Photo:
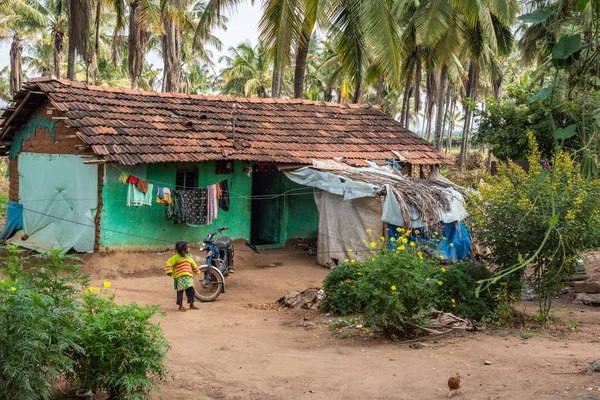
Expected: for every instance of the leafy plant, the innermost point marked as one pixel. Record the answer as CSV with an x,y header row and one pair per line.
x,y
39,324
457,295
124,352
339,286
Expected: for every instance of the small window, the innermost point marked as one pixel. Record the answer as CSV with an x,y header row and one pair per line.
x,y
186,179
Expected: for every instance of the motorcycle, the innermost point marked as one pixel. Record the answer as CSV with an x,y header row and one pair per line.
x,y
217,265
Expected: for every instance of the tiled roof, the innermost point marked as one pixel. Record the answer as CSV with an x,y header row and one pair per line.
x,y
133,127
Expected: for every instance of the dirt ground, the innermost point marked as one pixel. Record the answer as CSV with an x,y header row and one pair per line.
x,y
235,349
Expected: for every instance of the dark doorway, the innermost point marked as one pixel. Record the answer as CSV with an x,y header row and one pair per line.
x,y
266,208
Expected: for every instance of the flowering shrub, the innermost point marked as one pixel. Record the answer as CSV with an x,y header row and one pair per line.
x,y
39,324
537,222
393,288
50,327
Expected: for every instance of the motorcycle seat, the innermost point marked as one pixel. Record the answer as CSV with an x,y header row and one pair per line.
x,y
223,243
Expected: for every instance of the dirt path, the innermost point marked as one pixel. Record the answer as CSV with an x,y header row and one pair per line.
x,y
230,350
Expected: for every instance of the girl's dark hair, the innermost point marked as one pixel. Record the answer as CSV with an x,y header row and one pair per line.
x,y
181,247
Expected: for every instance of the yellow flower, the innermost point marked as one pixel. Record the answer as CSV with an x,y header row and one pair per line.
x,y
393,287
373,244
14,289
404,240
89,289
420,254
96,290
441,257
453,301
451,244
412,244
435,233
382,238
399,229
401,247
392,239
346,260
372,259
106,284
360,273
364,241
352,261
349,250
440,283
368,231
416,231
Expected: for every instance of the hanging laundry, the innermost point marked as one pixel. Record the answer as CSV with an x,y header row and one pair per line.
x,y
173,210
211,204
218,187
132,180
123,177
135,198
142,185
224,199
163,195
194,205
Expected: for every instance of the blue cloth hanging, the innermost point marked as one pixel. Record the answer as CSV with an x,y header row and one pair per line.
x,y
14,220
456,247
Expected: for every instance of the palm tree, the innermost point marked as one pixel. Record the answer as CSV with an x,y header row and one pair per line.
x,y
5,94
40,54
117,10
17,20
144,18
248,70
79,12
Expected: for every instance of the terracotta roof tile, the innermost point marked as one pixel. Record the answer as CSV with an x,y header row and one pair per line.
x,y
133,127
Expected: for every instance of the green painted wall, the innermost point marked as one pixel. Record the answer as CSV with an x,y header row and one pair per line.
x,y
301,216
149,222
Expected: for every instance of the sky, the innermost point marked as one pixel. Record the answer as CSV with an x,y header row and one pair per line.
x,y
242,26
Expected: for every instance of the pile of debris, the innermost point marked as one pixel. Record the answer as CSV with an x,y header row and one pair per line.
x,y
308,299
587,293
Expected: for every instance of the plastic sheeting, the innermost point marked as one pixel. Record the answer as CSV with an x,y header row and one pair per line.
x,y
59,194
14,220
343,225
455,247
391,212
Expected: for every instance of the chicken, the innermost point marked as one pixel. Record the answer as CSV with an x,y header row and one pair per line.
x,y
454,383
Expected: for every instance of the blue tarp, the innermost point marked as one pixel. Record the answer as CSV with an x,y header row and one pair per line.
x,y
454,244
14,220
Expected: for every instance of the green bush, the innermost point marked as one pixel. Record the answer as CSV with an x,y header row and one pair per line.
x,y
124,352
397,291
339,287
39,322
457,294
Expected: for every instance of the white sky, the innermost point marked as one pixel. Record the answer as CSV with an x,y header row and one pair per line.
x,y
242,26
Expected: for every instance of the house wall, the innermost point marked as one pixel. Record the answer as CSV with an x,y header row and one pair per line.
x,y
41,141
142,228
146,227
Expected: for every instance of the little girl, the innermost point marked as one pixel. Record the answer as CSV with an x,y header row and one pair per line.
x,y
182,268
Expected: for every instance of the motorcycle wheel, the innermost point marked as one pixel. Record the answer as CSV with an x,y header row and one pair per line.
x,y
208,291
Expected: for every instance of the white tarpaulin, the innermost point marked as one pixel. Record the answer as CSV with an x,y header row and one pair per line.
x,y
343,225
59,194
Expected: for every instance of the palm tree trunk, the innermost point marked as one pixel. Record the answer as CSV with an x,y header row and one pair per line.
x,y
300,69
357,92
172,54
470,89
418,85
96,42
16,65
446,110
59,44
406,95
379,90
440,108
451,127
137,40
71,62
276,83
